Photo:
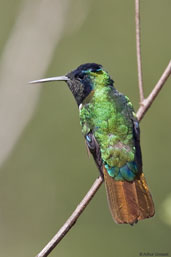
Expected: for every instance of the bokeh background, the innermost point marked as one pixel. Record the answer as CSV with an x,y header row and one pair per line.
x,y
44,167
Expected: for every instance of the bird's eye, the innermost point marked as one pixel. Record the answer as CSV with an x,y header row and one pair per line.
x,y
79,75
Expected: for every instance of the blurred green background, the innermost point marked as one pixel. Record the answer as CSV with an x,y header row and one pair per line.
x,y
45,170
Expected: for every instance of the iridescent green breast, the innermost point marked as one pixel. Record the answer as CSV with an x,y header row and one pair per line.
x,y
107,115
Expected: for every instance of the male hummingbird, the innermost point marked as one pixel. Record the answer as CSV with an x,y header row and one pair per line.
x,y
112,134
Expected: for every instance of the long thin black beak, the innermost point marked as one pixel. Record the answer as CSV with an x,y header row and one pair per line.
x,y
61,78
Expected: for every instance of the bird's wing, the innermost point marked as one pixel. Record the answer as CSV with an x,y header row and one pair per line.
x,y
94,149
136,133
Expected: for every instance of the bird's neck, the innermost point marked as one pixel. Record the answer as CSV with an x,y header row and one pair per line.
x,y
100,92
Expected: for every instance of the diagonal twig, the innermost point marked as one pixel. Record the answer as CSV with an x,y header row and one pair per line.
x,y
138,49
149,100
72,219
85,201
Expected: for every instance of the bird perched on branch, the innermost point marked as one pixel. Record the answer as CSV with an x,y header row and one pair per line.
x,y
112,134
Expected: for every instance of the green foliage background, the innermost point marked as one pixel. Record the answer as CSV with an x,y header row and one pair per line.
x,y
48,172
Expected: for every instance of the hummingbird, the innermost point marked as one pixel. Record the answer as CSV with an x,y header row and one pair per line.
x,y
112,134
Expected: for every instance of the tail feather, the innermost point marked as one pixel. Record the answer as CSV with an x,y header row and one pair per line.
x,y
146,204
128,201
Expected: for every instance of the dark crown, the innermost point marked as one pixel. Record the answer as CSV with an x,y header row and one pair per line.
x,y
93,67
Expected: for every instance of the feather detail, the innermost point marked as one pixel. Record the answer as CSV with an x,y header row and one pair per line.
x,y
146,205
129,202
88,151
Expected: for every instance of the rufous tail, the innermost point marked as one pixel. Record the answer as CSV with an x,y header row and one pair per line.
x,y
129,202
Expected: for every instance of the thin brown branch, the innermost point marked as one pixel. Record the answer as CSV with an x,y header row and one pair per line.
x,y
149,100
138,49
80,208
72,219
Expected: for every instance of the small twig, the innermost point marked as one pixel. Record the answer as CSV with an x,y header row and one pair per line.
x,y
149,100
72,219
80,208
138,48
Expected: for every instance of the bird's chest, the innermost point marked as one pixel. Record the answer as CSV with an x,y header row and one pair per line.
x,y
99,114
111,128
103,115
